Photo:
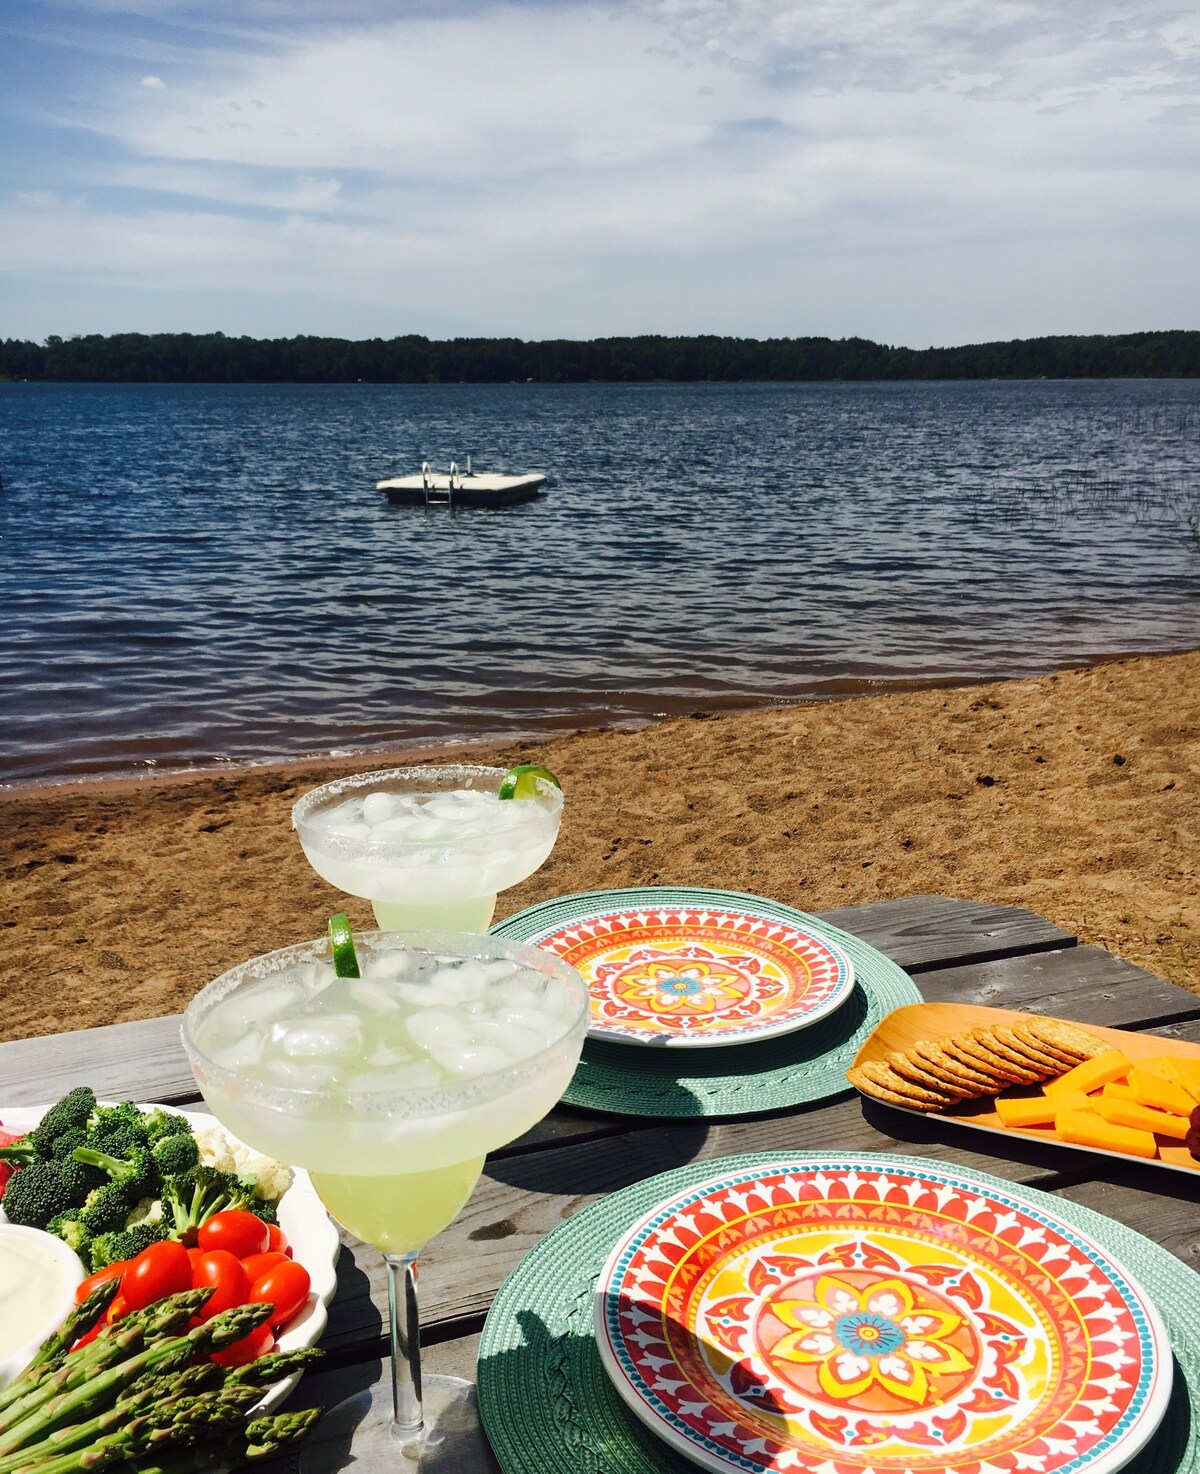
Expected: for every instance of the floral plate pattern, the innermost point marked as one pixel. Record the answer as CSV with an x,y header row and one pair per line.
x,y
689,976
860,1317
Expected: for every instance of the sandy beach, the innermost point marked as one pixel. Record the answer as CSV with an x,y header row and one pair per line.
x,y
1074,794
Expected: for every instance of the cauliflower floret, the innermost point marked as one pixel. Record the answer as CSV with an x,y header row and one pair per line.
x,y
271,1179
146,1210
215,1149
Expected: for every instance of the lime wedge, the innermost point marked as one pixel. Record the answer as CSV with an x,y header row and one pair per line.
x,y
525,780
341,938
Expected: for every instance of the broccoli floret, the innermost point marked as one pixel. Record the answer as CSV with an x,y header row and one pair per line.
x,y
160,1124
71,1229
125,1243
73,1110
117,1122
36,1194
175,1155
135,1170
196,1195
22,1152
106,1208
80,1180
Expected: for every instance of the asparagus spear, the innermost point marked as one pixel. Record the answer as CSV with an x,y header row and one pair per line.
x,y
111,1346
183,1421
271,1437
163,1355
273,1367
54,1348
144,1393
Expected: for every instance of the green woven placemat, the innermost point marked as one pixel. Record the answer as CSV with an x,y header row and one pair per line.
x,y
741,1079
548,1406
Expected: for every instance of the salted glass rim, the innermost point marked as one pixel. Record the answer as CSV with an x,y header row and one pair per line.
x,y
439,778
399,1103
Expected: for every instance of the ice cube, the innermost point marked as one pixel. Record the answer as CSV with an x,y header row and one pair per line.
x,y
420,1075
383,1055
462,984
247,1050
418,993
500,968
259,1005
377,807
396,963
331,1034
469,1060
520,991
437,1027
313,1076
368,993
546,1027
517,1041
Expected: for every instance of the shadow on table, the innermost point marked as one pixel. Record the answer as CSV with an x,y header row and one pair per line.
x,y
602,1165
549,1407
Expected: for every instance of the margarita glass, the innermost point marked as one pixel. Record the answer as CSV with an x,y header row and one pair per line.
x,y
429,847
390,1088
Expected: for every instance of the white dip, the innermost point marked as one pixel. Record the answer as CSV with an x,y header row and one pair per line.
x,y
38,1275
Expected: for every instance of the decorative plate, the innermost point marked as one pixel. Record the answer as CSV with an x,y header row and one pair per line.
x,y
689,976
310,1232
857,1316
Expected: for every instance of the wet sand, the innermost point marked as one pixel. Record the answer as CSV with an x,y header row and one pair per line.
x,y
1076,795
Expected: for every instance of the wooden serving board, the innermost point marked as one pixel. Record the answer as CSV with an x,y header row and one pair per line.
x,y
904,1026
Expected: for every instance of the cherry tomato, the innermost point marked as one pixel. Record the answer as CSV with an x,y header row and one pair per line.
x,y
118,1309
256,1265
237,1232
279,1243
193,1255
101,1277
158,1271
260,1340
225,1274
91,1335
286,1287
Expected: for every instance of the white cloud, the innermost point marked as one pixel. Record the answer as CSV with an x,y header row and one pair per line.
x,y
518,147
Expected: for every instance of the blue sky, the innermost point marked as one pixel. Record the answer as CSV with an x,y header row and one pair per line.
x,y
912,171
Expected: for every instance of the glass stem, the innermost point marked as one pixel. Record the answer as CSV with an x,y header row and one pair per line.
x,y
406,1345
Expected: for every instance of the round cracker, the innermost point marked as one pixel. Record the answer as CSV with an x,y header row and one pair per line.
x,y
932,1053
1061,1035
879,1092
883,1074
974,1055
1040,1059
920,1074
1020,1064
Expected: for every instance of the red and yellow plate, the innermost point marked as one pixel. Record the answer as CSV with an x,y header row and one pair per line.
x,y
689,976
855,1314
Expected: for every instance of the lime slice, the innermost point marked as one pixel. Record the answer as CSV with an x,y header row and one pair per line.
x,y
525,780
341,938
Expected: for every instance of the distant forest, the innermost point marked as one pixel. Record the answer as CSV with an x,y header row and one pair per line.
x,y
215,358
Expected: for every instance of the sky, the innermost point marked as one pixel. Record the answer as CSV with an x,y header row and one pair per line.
x,y
918,172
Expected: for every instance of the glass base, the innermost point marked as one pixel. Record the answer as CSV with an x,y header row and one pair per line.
x,y
359,1434
472,913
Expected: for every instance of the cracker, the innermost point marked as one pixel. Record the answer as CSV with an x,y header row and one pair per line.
x,y
880,1092
1030,1041
883,1074
1064,1036
1018,1064
920,1074
1041,1059
944,1065
973,1055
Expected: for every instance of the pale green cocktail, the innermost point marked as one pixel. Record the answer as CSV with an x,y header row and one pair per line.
x,y
427,846
392,1087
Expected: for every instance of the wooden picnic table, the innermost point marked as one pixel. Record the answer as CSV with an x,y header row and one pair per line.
x,y
956,951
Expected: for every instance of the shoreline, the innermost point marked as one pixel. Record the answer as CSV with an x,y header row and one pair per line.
x,y
430,749
1074,794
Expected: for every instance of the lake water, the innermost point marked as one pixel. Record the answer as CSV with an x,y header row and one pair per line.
x,y
197,572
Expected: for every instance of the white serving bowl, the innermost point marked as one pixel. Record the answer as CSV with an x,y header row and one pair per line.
x,y
64,1274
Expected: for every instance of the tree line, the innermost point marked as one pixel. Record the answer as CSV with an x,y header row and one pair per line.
x,y
216,358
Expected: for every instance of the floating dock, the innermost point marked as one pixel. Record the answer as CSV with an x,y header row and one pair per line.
x,y
457,488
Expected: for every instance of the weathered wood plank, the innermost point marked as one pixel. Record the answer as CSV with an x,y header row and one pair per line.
x,y
923,933
145,1059
142,1059
1083,983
